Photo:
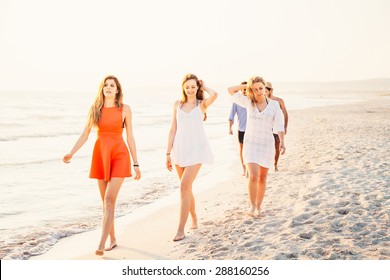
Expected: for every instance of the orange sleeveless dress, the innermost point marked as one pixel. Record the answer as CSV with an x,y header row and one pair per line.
x,y
110,156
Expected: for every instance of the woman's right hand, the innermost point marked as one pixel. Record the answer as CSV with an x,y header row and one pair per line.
x,y
169,163
67,158
204,87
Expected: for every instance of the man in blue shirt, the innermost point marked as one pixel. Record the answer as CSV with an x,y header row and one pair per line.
x,y
241,117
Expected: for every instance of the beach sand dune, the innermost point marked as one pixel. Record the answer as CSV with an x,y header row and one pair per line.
x,y
330,200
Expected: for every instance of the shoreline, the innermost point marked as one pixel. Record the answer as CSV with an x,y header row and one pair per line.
x,y
162,214
328,201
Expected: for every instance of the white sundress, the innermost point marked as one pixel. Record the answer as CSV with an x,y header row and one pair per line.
x,y
190,145
259,142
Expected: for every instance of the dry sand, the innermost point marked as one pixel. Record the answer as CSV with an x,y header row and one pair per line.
x,y
330,200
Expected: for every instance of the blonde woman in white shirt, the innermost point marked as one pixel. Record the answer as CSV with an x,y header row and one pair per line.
x,y
264,118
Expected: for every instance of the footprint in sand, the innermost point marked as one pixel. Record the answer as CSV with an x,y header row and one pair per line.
x,y
248,244
228,220
337,226
286,256
315,202
306,235
318,253
256,248
343,211
297,223
223,249
305,216
358,226
293,195
189,251
341,204
308,196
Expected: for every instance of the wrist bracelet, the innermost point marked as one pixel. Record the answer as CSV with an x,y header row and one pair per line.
x,y
136,165
168,154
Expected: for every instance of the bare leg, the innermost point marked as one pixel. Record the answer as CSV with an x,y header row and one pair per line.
x,y
242,160
187,176
102,188
192,212
111,194
254,173
194,225
277,153
261,188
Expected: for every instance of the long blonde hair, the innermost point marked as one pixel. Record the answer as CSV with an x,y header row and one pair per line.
x,y
199,92
95,112
249,87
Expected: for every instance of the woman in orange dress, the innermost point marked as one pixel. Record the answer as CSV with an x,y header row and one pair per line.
x,y
111,159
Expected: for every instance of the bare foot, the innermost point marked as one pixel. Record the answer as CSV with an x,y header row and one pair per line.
x,y
112,246
99,252
252,212
276,168
257,213
179,236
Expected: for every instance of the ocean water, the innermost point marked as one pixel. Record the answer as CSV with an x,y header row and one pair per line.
x,y
42,199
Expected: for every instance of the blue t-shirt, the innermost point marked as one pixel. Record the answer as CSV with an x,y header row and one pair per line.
x,y
241,116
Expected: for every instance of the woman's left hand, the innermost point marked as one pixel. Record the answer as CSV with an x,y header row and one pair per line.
x,y
137,173
282,148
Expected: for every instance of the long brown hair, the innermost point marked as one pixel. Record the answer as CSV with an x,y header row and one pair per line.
x,y
249,87
95,112
199,92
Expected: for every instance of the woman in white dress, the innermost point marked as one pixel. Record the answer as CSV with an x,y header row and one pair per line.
x,y
264,118
188,147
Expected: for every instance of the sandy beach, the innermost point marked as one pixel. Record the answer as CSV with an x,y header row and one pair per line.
x,y
330,200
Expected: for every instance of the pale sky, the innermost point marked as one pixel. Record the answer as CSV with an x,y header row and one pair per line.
x,y
73,44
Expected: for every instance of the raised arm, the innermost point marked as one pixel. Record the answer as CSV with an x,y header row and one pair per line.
x,y
79,143
238,97
131,140
234,89
209,100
